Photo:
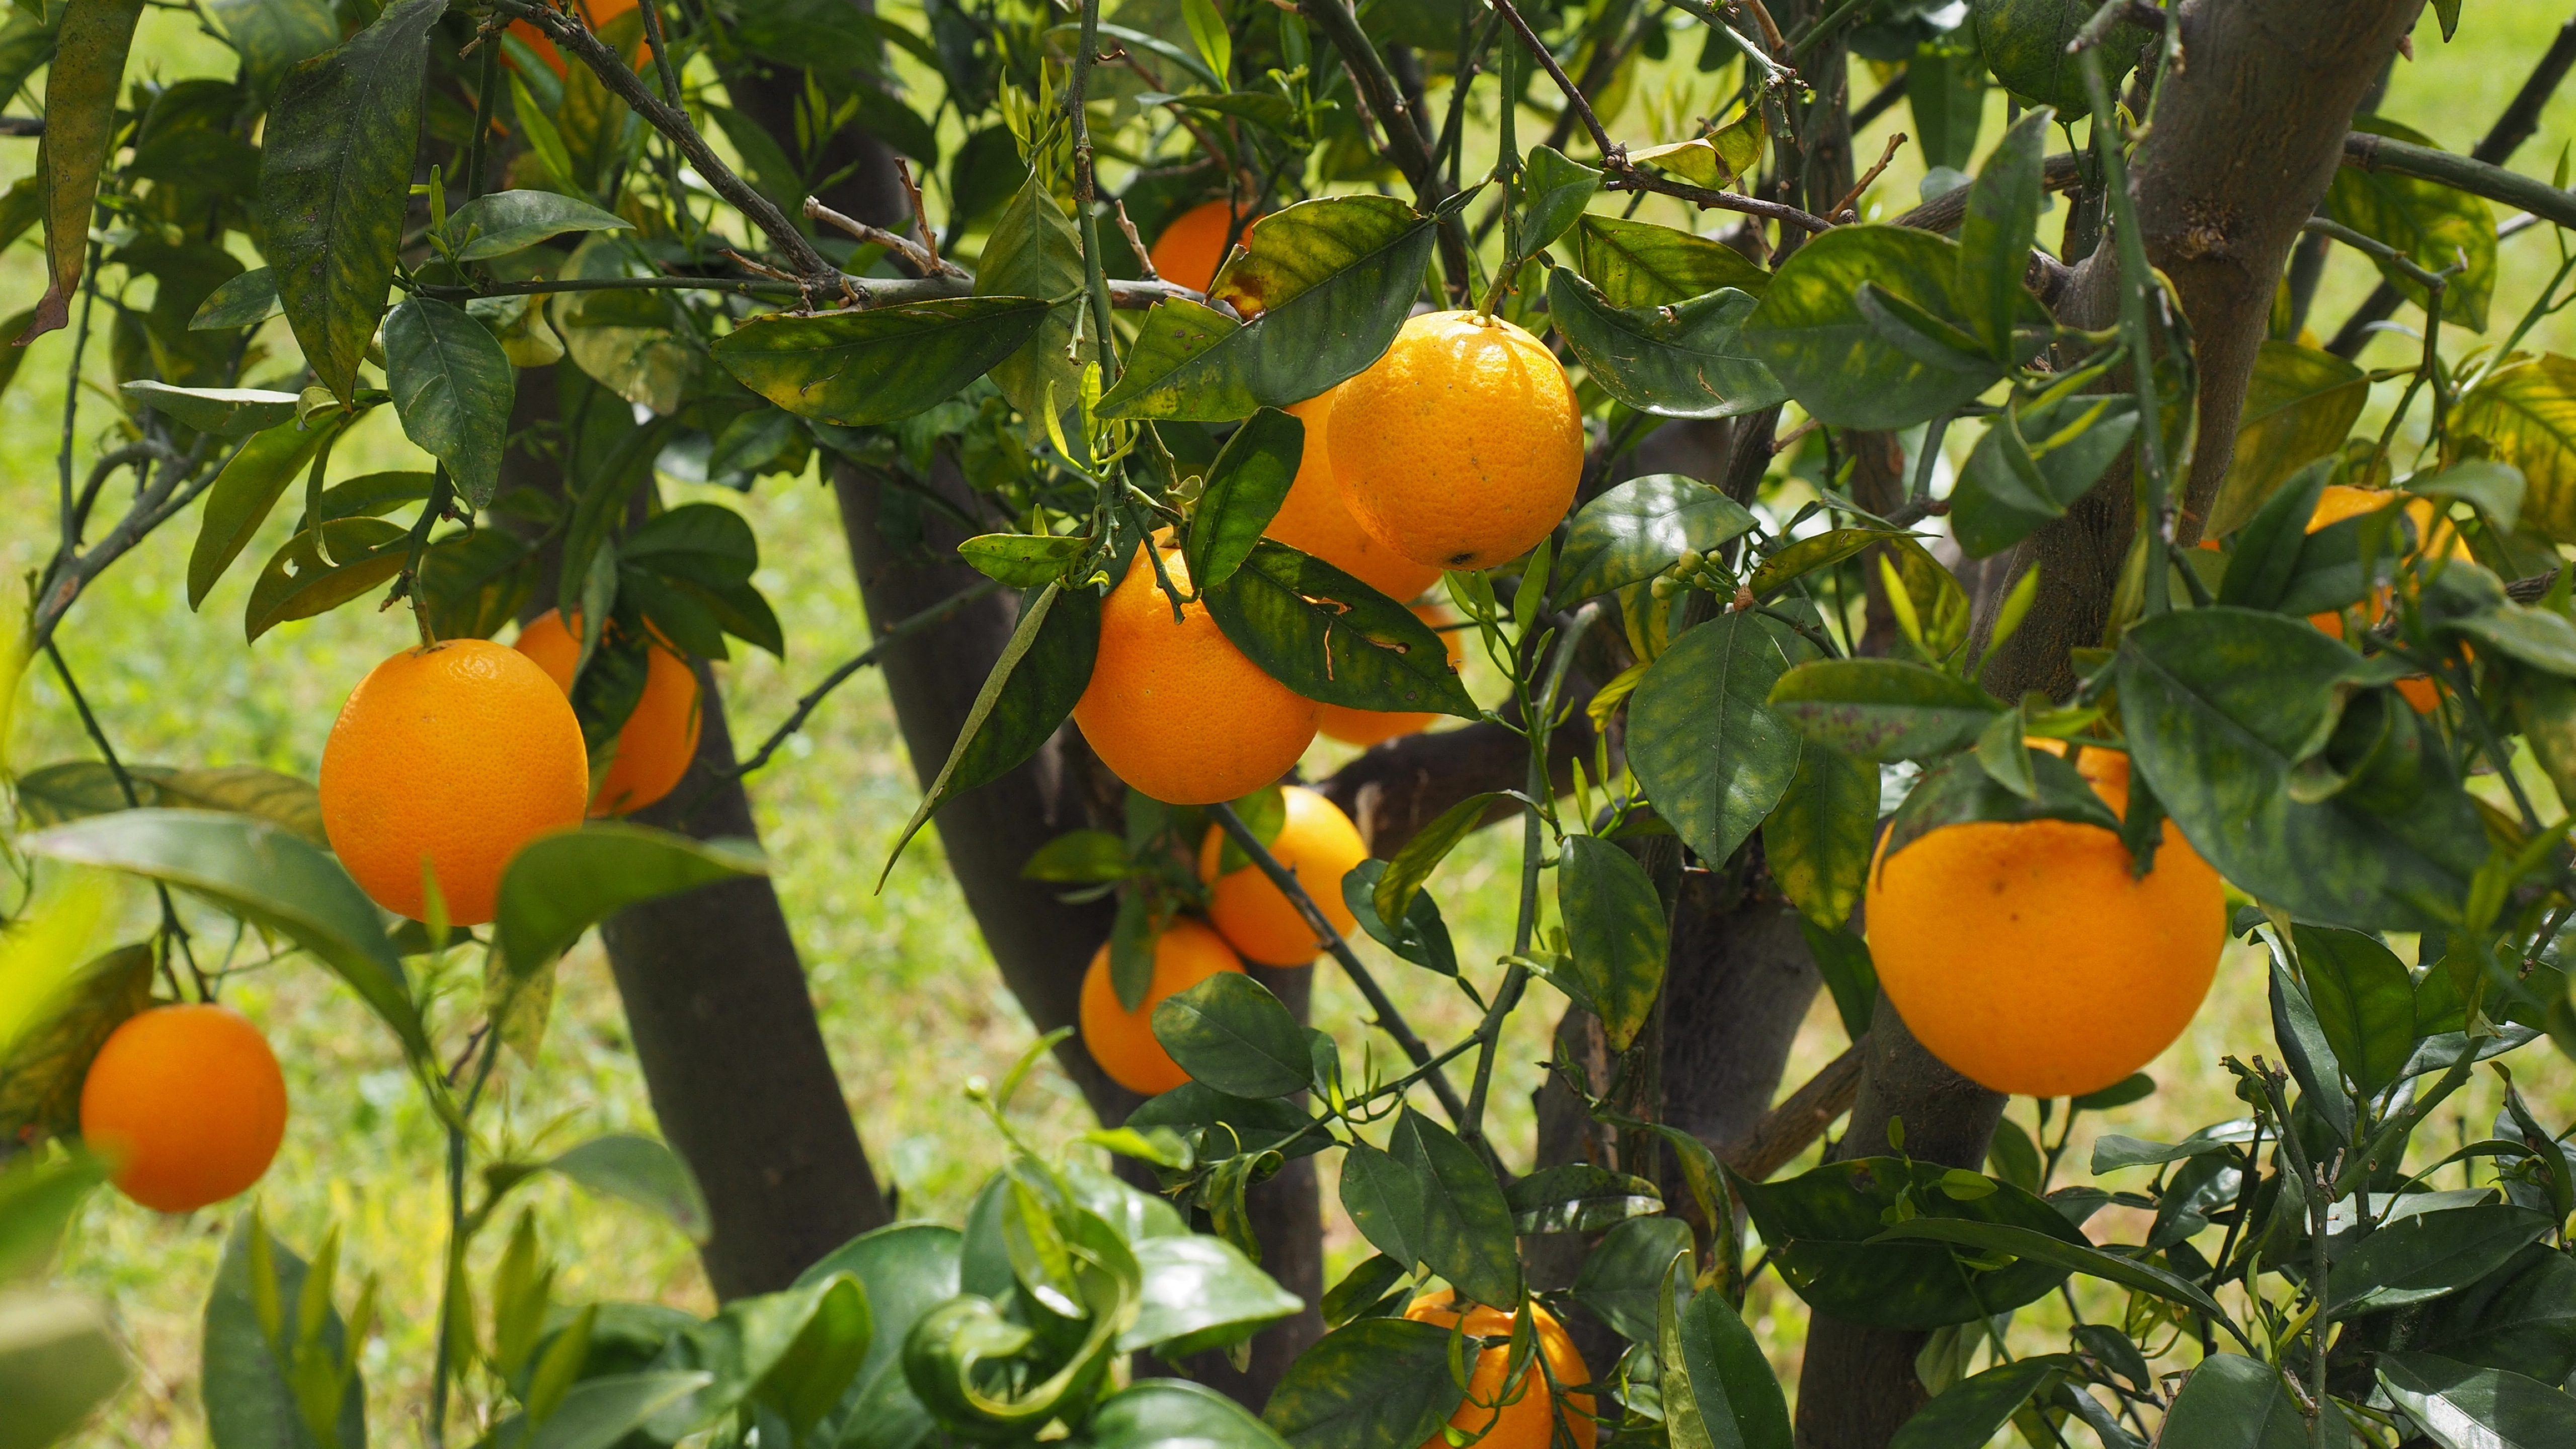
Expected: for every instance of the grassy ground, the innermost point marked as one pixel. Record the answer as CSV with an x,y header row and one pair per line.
x,y
908,1000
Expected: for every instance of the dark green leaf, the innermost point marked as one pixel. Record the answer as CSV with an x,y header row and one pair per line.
x,y
1960,790
2025,42
1577,1197
511,221
1843,960
1719,1391
1883,709
2030,467
53,794
559,886
1385,1202
453,387
1245,486
1199,1293
2364,1000
1638,529
1035,252
310,575
1637,1263
1641,264
881,364
600,1412
1332,638
41,1074
1614,930
1807,555
1422,938
2299,407
1466,1226
242,495
1555,191
59,1361
908,1269
1231,1033
245,301
335,175
2234,1402
1156,1412
2495,489
272,35
2111,1151
250,1402
1836,1249
2522,1317
1969,1412
1681,359
2465,1408
1996,235
2430,1255
87,67
2037,1245
2268,546
1711,753
1373,1384
226,412
1259,1125
1403,877
1817,840
643,1172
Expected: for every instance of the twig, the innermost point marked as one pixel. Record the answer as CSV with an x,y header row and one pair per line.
x,y
925,259
1636,179
1389,1018
171,930
2465,173
1785,1130
1944,212
1135,243
920,214
1843,209
1612,152
1086,196
1376,87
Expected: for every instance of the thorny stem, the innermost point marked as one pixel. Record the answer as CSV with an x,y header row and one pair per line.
x,y
1389,1018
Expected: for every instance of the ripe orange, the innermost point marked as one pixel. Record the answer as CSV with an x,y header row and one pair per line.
x,y
658,740
2026,957
1370,726
1319,845
1314,519
449,758
1122,1041
1192,245
188,1103
1461,446
1175,709
1528,1421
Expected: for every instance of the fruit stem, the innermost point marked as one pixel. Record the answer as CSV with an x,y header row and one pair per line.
x,y
442,490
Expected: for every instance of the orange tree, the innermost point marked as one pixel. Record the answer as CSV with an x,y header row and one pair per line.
x,y
1820,702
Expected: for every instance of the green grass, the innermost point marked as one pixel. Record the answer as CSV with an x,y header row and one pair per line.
x,y
909,1003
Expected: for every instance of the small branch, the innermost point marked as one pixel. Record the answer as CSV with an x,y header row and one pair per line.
x,y
1612,152
1787,1129
1404,141
2375,249
1843,209
1136,243
31,127
1086,198
1881,103
2060,172
1389,1018
924,259
1635,179
875,291
2465,173
920,214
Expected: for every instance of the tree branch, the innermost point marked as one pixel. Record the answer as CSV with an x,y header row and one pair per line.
x,y
1412,154
2366,152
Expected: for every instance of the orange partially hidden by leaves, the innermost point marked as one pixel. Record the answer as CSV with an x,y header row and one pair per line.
x,y
1192,245
1513,1416
1320,845
449,758
187,1103
1313,518
1372,726
2025,955
1175,709
1122,1041
1459,448
658,740
2339,501
599,13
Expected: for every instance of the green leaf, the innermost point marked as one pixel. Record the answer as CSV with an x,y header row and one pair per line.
x,y
1838,1252
1960,790
1719,1391
1035,252
1996,235
1467,1233
560,885
1813,333
1245,486
2234,1402
245,301
2025,42
1554,193
1817,839
1641,264
2429,1255
1326,283
59,1361
335,176
272,35
1231,1033
1423,853
1945,88
2220,703
2300,407
2430,223
1679,360
453,387
1017,710
1367,1385
226,412
1809,554
313,574
52,794
1614,929
1200,1293
2031,466
1638,529
1153,1412
1971,1411
43,1068
1259,1124
2364,999
512,221
2038,1244
264,875
2522,1317
81,82
643,1172
1332,638
1421,938
2111,1151
1576,1197
2270,544
2307,1053
2526,412
2464,1408
1385,1202
242,495
1883,709
249,1395
1843,960
1637,1265
879,365
2494,489
1711,753
908,1269
599,1413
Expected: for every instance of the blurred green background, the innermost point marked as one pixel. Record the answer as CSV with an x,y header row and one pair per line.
x,y
909,1001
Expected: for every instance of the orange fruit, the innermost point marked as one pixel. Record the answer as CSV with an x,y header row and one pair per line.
x,y
1192,245
1122,1041
2339,501
1460,448
1319,845
658,740
2026,957
1370,726
1528,1420
1175,709
1314,519
188,1104
598,12
449,758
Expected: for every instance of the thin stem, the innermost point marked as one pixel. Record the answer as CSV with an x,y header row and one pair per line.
x,y
1389,1019
487,85
1634,178
171,930
441,489
2136,279
1378,90
670,78
1086,197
